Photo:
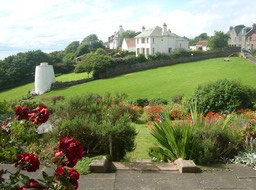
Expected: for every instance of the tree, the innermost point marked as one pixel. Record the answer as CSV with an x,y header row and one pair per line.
x,y
93,42
95,62
202,36
82,49
218,40
20,68
72,47
69,59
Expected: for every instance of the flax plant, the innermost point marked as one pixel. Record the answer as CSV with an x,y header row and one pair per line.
x,y
174,141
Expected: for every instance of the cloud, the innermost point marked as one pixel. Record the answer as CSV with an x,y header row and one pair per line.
x,y
53,24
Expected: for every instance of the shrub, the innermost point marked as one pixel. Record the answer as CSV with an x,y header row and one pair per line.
x,y
102,122
224,95
79,69
140,102
159,101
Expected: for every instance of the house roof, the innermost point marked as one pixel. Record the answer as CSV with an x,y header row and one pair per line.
x,y
130,42
238,28
253,37
202,43
155,31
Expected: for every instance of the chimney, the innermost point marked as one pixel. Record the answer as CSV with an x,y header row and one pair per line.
x,y
164,29
143,28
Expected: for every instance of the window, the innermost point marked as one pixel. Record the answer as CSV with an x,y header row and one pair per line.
x,y
153,40
138,51
142,40
147,51
170,50
138,40
147,40
153,50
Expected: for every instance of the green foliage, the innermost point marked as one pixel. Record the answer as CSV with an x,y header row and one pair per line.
x,y
82,165
69,59
224,95
79,69
93,42
96,118
72,47
218,40
159,101
20,68
174,141
140,102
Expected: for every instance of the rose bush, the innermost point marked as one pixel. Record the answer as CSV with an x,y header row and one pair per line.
x,y
18,133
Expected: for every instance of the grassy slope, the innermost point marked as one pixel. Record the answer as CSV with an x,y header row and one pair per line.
x,y
169,81
162,82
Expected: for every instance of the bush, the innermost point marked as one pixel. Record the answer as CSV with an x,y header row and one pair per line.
x,y
140,102
79,69
206,140
98,119
159,101
224,95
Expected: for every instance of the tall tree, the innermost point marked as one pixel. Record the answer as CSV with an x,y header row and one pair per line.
x,y
92,42
72,47
218,40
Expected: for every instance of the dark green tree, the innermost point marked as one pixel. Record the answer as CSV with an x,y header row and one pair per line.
x,y
93,42
95,62
72,47
218,40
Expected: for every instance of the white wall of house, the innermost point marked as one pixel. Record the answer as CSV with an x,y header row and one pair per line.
x,y
160,40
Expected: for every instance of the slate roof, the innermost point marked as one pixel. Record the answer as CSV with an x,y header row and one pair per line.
x,y
154,31
238,28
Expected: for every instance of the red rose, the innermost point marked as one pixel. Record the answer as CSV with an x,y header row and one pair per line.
x,y
32,184
73,174
28,162
39,115
22,112
72,149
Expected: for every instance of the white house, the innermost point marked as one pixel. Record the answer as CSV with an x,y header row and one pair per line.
x,y
128,44
115,41
157,39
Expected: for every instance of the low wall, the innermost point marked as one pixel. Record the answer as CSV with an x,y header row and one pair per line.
x,y
58,85
125,69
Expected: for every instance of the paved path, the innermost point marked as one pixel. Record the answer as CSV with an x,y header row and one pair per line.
x,y
237,177
155,177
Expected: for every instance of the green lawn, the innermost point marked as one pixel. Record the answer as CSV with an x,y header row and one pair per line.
x,y
169,81
164,82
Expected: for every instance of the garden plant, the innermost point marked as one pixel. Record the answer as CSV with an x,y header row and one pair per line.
x,y
20,132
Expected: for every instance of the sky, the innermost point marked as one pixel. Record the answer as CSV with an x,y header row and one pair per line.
x,y
50,25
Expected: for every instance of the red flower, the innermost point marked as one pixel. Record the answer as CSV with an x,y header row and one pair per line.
x,y
39,115
28,162
33,184
72,149
73,174
60,171
22,112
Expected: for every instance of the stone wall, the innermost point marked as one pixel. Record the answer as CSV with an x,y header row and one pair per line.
x,y
125,69
58,85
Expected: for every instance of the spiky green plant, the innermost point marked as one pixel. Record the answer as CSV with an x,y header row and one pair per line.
x,y
174,141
